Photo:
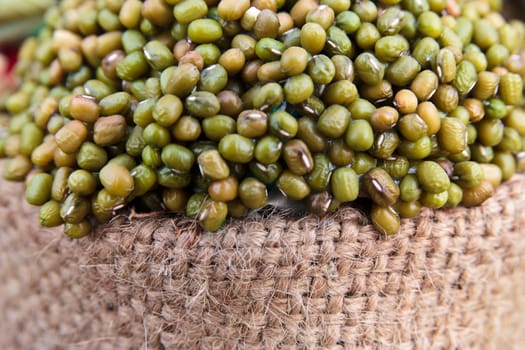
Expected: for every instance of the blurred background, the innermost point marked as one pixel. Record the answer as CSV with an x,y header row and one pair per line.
x,y
18,19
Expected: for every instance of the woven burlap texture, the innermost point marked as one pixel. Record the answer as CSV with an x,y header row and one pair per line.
x,y
452,279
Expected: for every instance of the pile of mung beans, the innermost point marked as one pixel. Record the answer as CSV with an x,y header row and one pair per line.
x,y
206,106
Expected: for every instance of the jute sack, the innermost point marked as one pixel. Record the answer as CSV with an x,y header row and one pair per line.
x,y
452,279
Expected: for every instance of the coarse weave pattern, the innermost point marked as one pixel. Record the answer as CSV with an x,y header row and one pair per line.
x,y
450,279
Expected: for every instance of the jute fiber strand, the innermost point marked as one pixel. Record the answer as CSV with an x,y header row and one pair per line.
x,y
452,279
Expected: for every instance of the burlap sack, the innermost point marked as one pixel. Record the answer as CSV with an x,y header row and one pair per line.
x,y
452,279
